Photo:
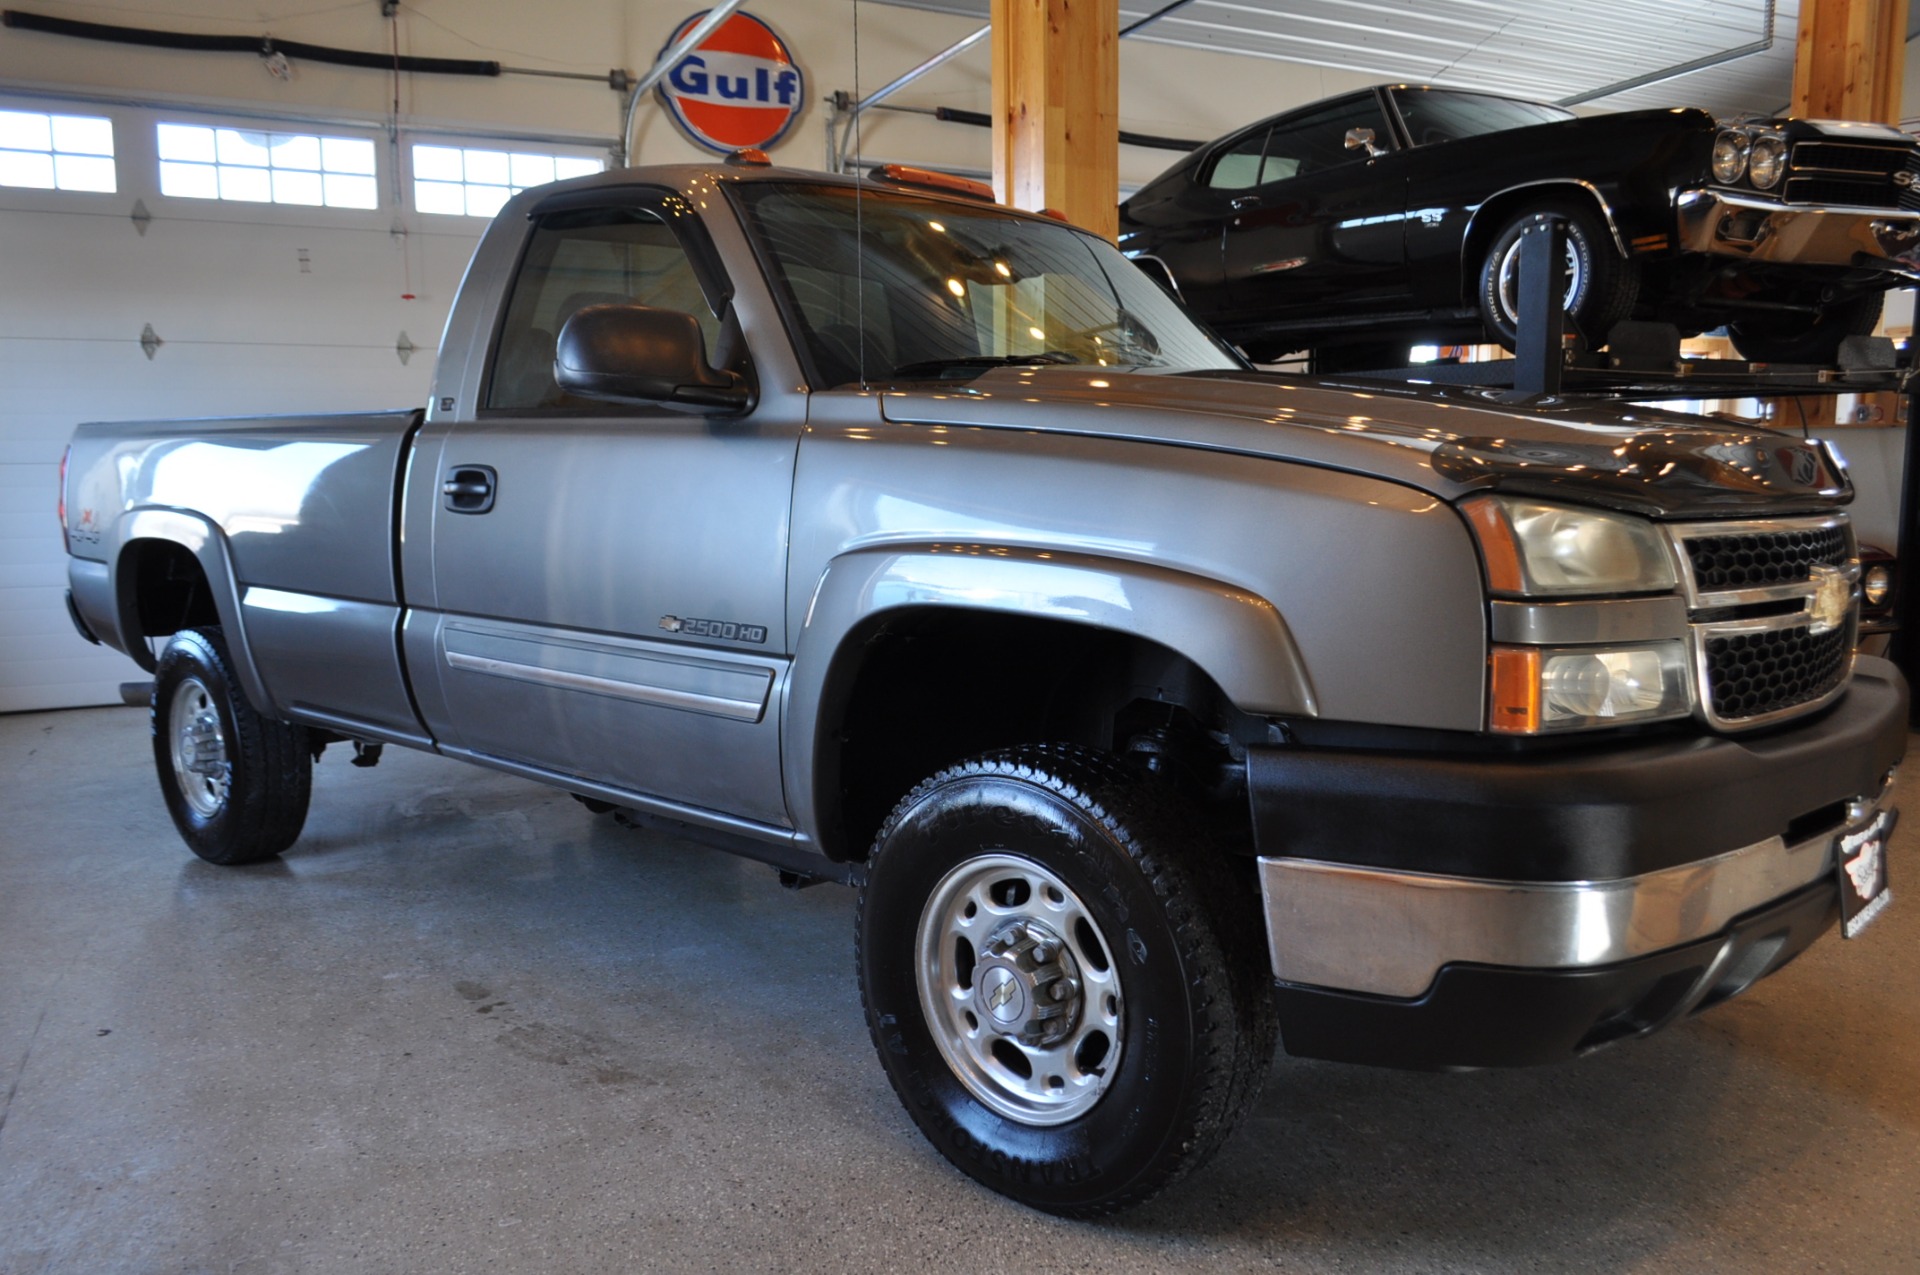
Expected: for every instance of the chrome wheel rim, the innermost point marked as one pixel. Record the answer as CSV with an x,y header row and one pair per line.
x,y
1509,281
1019,989
199,748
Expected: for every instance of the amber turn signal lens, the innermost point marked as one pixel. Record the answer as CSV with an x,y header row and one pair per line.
x,y
1497,546
1516,690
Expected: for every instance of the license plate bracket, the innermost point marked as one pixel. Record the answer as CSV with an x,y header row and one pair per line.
x,y
1860,864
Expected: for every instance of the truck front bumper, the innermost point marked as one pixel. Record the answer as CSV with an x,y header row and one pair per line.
x,y
1436,911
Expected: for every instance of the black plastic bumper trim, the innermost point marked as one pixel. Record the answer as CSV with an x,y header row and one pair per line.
x,y
1488,1016
73,613
1588,816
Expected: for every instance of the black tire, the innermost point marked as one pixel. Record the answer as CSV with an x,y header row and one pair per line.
x,y
1170,961
236,783
1601,286
1806,338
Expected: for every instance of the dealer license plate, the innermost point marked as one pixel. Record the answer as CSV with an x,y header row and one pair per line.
x,y
1862,867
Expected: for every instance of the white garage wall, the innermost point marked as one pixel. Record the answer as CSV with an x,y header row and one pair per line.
x,y
247,330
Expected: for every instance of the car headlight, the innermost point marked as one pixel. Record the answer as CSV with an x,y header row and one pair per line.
x,y
1535,689
1767,161
1729,155
1533,548
1876,585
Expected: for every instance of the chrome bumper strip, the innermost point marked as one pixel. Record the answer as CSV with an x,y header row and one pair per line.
x,y
1730,225
1387,933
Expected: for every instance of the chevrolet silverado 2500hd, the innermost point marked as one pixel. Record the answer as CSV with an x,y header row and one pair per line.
x,y
1155,706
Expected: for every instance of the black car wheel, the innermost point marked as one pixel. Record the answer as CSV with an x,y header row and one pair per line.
x,y
1600,284
1784,337
1067,993
235,782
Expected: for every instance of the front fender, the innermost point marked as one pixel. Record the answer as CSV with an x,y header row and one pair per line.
x,y
1237,638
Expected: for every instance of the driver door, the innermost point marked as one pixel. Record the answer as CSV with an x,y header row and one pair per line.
x,y
609,580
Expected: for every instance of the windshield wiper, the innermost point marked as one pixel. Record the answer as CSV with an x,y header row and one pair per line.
x,y
952,369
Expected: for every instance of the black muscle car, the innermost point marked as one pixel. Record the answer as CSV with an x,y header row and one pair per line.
x,y
1395,213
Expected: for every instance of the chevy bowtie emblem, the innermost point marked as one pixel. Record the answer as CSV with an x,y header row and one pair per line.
x,y
1832,592
997,998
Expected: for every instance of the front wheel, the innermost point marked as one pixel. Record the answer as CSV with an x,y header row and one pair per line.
x,y
1066,991
1785,337
1600,286
235,782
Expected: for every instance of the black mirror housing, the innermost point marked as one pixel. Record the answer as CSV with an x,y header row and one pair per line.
x,y
636,353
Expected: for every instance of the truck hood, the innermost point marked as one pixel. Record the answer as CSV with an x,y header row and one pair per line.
x,y
1449,441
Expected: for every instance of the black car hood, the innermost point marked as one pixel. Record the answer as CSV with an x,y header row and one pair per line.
x,y
1449,441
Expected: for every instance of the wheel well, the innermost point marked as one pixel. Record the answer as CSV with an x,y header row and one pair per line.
x,y
1493,214
167,589
918,690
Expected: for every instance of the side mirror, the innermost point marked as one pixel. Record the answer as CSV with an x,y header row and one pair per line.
x,y
1358,137
635,353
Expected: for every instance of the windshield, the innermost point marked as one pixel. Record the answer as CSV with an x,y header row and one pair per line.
x,y
1437,115
906,288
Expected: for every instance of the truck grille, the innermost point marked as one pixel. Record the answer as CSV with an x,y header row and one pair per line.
x,y
1760,559
1852,174
1749,588
1758,674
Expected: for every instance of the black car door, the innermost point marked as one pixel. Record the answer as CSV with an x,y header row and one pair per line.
x,y
1182,217
1323,231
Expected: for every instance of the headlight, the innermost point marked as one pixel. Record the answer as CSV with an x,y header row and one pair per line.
x,y
1768,162
1729,156
1876,584
1533,548
1536,690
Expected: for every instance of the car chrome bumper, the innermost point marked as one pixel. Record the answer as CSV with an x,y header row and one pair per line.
x,y
1729,225
1389,933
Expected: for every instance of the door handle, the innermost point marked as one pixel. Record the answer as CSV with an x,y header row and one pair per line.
x,y
1244,201
469,489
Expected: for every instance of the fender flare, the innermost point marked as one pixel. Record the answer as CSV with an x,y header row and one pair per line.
x,y
1470,266
1236,637
200,537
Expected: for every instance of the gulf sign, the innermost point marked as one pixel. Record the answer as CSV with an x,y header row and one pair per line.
x,y
740,87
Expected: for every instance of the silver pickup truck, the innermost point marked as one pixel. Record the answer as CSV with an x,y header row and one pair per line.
x,y
1156,707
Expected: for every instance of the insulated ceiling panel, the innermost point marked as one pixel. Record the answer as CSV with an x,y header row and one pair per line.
x,y
1532,49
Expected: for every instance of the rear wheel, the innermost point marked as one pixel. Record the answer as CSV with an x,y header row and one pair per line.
x,y
1600,285
236,783
1806,338
1065,987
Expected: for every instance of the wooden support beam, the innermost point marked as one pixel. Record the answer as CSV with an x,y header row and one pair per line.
x,y
1850,59
1056,108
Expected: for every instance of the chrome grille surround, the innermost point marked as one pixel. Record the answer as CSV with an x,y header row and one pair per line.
x,y
1727,565
1854,174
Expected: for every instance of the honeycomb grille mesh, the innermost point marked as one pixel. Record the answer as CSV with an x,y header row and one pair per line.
x,y
1762,559
1752,674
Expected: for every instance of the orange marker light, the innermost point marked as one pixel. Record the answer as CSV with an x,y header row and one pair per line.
x,y
1515,706
1497,547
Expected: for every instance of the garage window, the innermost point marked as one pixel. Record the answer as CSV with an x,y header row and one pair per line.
x,y
56,152
471,182
267,168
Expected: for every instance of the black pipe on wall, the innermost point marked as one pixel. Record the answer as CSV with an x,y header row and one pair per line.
x,y
259,45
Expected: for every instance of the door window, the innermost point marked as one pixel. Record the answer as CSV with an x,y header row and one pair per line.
x,y
1238,167
1315,142
584,257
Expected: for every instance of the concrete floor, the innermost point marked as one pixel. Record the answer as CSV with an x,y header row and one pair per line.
x,y
466,1026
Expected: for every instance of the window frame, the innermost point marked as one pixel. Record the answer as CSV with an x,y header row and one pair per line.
x,y
414,140
53,153
674,212
270,128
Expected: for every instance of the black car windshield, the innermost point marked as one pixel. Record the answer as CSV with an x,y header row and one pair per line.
x,y
1441,115
898,287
